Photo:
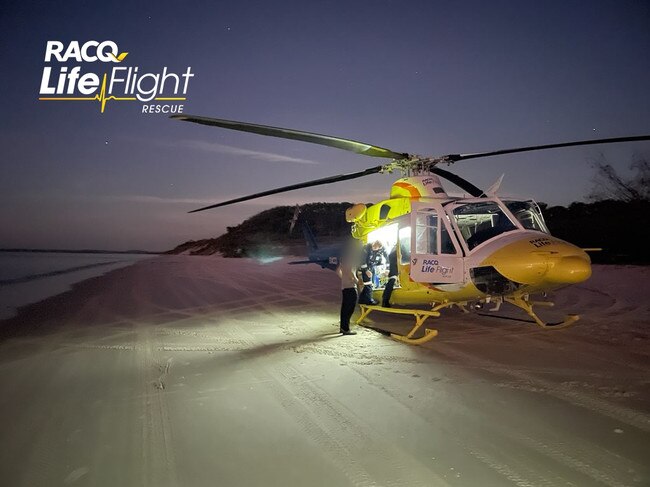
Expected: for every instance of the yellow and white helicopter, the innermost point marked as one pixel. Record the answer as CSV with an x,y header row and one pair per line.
x,y
450,251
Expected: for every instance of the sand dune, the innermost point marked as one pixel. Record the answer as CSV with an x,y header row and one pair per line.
x,y
193,371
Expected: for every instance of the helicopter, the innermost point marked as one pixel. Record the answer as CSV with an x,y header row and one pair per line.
x,y
451,251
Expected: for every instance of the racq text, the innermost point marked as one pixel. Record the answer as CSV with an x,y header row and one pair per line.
x,y
162,108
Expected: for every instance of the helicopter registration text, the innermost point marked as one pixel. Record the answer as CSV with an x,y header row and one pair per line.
x,y
540,242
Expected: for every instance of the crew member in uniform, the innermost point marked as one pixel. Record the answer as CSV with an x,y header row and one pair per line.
x,y
392,277
373,255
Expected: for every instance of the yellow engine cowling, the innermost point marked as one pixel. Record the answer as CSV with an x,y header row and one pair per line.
x,y
418,187
403,191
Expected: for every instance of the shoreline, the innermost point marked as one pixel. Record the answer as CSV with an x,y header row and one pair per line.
x,y
84,251
30,288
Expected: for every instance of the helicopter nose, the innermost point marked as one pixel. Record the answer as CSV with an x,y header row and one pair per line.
x,y
570,269
556,263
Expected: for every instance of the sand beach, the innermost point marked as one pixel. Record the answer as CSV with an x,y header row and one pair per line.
x,y
197,371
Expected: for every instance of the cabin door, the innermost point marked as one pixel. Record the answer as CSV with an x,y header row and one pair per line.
x,y
436,256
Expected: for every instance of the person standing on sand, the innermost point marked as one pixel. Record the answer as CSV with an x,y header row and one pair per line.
x,y
349,282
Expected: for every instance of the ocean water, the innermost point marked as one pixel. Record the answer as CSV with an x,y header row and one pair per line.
x,y
29,277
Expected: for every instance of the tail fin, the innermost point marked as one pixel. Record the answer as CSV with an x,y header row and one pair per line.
x,y
306,231
309,237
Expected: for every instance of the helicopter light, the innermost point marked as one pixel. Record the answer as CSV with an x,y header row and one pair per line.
x,y
386,235
268,260
355,213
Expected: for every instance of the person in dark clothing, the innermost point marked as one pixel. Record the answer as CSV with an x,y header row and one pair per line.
x,y
373,255
392,277
347,272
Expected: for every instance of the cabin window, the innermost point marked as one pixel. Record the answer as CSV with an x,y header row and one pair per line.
x,y
384,212
431,234
479,222
528,214
426,232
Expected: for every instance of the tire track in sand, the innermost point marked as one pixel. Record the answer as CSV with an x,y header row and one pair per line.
x,y
619,413
338,431
155,436
517,471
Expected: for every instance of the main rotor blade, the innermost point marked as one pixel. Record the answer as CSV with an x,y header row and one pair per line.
x,y
327,140
307,184
462,157
458,181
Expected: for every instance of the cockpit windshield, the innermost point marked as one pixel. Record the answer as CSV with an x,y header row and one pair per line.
x,y
482,221
528,214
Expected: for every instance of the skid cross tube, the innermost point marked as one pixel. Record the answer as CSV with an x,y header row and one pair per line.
x,y
420,317
524,303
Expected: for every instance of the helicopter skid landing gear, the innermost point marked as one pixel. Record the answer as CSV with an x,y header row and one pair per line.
x,y
420,317
524,303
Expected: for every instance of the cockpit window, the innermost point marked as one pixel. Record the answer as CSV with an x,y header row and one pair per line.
x,y
479,222
528,214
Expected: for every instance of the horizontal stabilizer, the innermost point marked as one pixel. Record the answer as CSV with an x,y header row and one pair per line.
x,y
319,262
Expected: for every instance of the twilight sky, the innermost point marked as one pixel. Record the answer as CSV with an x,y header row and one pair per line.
x,y
429,77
